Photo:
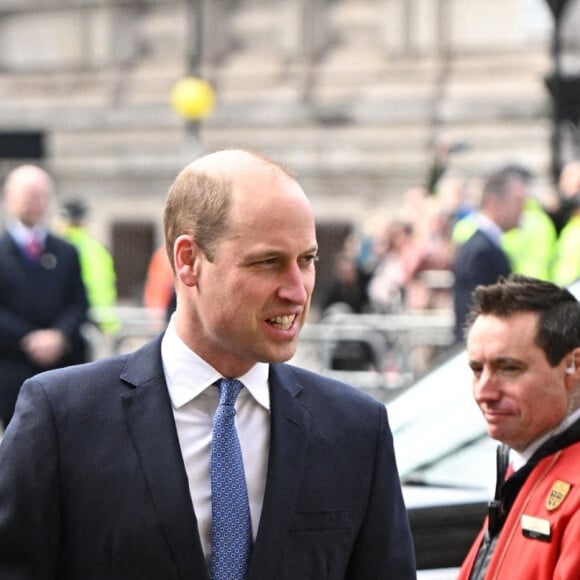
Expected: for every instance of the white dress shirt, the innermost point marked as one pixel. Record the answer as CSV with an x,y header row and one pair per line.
x,y
489,228
190,381
22,234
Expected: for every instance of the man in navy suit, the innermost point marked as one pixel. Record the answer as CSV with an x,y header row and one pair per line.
x,y
43,304
105,469
481,259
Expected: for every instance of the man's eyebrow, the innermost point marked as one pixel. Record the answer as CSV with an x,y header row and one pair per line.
x,y
262,252
506,359
499,360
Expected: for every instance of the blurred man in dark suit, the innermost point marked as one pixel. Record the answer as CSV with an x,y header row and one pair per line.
x,y
481,259
42,298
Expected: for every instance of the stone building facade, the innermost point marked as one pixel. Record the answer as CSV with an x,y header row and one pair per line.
x,y
350,94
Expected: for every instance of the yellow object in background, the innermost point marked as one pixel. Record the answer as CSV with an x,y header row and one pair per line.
x,y
192,98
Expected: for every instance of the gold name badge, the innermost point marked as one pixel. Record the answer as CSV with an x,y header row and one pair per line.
x,y
536,528
557,495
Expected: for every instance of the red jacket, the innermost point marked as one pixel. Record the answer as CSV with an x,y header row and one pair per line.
x,y
548,505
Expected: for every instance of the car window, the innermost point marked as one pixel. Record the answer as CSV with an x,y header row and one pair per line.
x,y
436,417
470,466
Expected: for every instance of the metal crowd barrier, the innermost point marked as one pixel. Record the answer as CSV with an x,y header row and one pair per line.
x,y
377,352
424,327
119,329
401,346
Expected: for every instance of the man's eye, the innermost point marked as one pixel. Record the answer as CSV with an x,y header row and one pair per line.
x,y
269,261
312,259
510,370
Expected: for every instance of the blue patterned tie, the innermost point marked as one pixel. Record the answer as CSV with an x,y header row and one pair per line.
x,y
231,527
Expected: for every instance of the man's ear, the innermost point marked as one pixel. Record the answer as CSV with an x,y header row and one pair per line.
x,y
186,256
572,371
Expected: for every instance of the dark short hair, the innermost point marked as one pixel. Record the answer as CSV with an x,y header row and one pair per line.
x,y
517,170
499,183
558,329
74,210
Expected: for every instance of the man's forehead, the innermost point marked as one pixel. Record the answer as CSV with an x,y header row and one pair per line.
x,y
506,322
521,327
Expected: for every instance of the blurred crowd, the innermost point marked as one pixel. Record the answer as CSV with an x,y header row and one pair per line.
x,y
416,258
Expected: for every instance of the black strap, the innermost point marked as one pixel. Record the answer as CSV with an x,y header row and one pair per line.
x,y
495,507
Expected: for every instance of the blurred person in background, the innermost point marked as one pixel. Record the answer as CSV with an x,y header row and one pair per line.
x,y
566,266
398,258
159,289
347,285
43,303
442,153
106,469
347,294
481,259
566,193
530,246
523,345
431,284
97,267
452,194
414,256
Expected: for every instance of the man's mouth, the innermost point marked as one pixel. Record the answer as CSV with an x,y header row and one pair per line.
x,y
283,322
493,415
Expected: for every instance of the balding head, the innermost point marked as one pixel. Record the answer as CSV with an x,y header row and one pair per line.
x,y
28,190
234,163
199,200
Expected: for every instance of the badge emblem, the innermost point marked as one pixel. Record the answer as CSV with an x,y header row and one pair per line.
x,y
558,494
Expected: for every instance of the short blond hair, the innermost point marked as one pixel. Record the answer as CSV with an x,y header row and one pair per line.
x,y
199,200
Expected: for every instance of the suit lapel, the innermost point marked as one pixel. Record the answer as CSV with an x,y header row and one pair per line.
x,y
290,422
148,412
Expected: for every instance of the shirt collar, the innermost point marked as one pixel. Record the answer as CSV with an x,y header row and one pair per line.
x,y
22,234
519,459
489,228
188,375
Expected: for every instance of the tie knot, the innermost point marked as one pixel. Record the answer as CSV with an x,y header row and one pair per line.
x,y
229,391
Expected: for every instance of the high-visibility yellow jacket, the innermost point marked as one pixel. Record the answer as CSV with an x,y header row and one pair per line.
x,y
566,268
97,271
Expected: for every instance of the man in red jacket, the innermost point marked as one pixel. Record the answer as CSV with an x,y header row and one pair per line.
x,y
523,344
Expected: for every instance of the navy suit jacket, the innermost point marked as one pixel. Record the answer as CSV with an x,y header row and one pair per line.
x,y
478,261
34,296
93,485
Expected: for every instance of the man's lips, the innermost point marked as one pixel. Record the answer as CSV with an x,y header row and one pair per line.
x,y
496,415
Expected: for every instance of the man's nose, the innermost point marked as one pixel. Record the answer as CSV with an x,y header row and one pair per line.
x,y
485,387
294,285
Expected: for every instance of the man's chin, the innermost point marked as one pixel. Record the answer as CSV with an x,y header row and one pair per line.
x,y
499,434
280,355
